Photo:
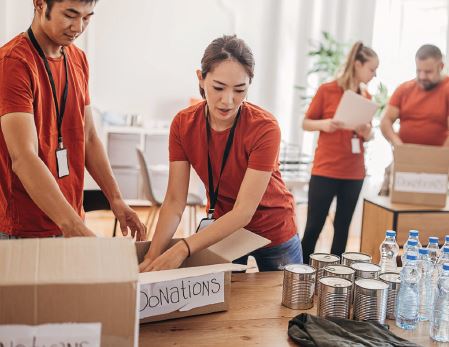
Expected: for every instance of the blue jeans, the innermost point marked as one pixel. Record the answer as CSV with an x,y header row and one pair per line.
x,y
5,236
275,258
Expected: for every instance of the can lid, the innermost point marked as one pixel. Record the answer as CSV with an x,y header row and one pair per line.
x,y
370,283
423,251
412,242
325,257
365,267
411,256
413,232
390,277
300,268
339,269
356,256
433,239
335,282
391,233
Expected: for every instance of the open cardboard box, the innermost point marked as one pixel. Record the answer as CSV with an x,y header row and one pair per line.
x,y
202,284
76,280
420,175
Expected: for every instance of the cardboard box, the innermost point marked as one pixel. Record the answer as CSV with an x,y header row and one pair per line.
x,y
81,280
420,175
202,284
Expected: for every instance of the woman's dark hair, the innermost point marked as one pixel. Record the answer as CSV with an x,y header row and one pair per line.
x,y
228,47
50,4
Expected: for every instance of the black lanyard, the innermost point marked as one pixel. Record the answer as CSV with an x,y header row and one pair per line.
x,y
59,111
213,193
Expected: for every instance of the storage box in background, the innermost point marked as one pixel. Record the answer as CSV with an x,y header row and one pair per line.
x,y
420,175
202,284
76,280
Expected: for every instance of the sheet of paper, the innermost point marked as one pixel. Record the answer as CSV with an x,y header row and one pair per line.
x,y
415,182
354,110
182,294
70,334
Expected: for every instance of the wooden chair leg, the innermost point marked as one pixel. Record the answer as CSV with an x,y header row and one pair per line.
x,y
194,219
153,219
114,231
150,211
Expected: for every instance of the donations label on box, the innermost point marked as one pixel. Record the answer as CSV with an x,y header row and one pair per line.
x,y
61,335
181,294
420,182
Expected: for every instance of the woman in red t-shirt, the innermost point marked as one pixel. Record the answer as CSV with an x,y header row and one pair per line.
x,y
233,145
339,167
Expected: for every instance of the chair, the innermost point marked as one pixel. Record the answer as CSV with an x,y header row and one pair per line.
x,y
93,200
193,200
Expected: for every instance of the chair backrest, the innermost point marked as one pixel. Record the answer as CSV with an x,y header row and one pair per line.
x,y
146,181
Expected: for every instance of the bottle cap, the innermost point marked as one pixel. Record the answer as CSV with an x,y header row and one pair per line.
x,y
446,266
423,251
391,233
446,238
412,242
413,232
411,256
433,239
446,250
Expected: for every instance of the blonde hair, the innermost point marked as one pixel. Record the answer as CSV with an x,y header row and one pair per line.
x,y
360,53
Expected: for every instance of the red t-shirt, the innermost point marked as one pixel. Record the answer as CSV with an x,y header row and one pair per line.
x,y
25,87
333,154
423,114
256,146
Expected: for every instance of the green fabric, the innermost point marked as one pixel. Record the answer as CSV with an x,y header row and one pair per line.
x,y
311,331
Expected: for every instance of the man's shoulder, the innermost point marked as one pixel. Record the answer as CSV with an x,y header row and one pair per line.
x,y
407,86
18,48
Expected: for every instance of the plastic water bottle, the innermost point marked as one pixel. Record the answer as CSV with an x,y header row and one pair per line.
x,y
439,325
434,249
388,252
443,258
407,305
410,248
414,235
425,269
446,243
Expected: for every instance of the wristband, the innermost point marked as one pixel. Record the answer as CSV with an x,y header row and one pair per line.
x,y
187,245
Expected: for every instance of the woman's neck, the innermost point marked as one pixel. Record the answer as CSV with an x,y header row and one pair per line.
x,y
219,124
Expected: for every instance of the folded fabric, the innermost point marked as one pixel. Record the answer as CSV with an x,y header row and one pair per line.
x,y
312,331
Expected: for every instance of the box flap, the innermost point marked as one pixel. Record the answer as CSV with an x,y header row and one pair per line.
x,y
238,244
169,275
67,260
421,158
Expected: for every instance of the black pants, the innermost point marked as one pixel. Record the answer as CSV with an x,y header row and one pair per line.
x,y
322,190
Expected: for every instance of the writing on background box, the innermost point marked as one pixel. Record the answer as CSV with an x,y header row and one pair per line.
x,y
420,182
51,335
181,294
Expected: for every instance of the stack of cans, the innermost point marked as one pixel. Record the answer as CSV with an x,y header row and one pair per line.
x,y
319,261
370,300
334,297
366,270
299,286
348,258
393,279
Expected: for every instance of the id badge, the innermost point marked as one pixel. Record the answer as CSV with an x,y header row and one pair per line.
x,y
355,145
204,223
62,162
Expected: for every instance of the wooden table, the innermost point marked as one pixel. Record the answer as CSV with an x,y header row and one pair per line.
x,y
255,318
380,214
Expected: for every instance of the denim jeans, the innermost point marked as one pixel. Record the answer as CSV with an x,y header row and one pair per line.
x,y
5,236
275,258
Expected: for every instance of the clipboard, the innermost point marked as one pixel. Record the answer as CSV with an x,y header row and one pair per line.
x,y
354,110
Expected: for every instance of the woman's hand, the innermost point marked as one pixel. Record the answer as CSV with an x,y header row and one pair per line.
x,y
364,131
172,258
330,125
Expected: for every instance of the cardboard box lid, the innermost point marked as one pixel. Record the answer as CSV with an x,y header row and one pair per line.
x,y
236,245
71,260
429,158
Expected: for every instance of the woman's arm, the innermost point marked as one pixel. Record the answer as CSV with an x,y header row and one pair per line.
x,y
252,189
327,125
171,211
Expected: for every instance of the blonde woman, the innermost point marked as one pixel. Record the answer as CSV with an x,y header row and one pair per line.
x,y
338,168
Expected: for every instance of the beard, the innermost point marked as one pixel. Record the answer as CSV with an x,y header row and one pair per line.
x,y
427,85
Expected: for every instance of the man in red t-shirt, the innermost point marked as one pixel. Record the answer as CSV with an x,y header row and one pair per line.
x,y
421,105
47,132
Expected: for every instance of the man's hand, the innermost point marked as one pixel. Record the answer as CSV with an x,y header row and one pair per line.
x,y
128,219
331,125
170,259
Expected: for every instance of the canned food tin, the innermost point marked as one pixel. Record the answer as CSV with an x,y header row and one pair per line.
x,y
299,286
334,297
